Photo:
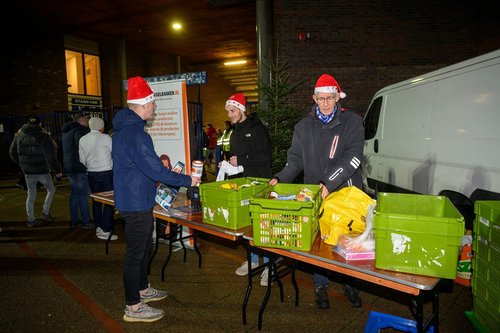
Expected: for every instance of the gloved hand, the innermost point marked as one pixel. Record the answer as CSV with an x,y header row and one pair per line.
x,y
193,194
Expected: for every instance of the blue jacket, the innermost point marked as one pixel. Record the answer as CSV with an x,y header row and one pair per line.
x,y
136,166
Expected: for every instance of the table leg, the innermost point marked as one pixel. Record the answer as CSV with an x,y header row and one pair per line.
x,y
271,265
418,312
249,287
175,235
295,285
171,239
435,310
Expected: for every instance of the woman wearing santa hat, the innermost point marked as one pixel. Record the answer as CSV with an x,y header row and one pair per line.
x,y
327,145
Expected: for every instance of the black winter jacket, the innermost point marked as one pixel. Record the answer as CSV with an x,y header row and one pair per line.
x,y
71,134
327,153
250,142
34,151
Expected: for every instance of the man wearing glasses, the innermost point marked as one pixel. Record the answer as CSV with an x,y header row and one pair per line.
x,y
327,146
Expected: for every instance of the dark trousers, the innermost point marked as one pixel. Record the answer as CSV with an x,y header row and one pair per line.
x,y
103,214
139,242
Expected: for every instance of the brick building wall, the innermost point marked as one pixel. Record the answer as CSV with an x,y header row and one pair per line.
x,y
367,45
32,77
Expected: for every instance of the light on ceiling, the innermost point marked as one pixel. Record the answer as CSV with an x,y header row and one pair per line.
x,y
234,63
176,26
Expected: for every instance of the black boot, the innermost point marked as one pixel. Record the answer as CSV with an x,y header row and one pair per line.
x,y
321,297
352,295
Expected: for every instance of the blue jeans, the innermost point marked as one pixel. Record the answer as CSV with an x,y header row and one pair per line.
x,y
31,181
254,257
139,241
79,197
320,280
103,214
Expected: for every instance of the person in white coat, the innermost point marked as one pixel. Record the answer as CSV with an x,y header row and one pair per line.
x,y
95,153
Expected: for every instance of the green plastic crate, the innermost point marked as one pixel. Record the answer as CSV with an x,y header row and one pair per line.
x,y
488,317
487,223
286,224
485,270
418,234
228,208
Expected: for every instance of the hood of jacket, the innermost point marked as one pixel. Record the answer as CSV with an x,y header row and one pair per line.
x,y
127,117
31,129
70,126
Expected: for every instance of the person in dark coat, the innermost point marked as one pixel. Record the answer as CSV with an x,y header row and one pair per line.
x,y
250,143
327,145
250,148
76,171
36,154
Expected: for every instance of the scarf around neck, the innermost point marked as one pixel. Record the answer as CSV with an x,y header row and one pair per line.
x,y
323,118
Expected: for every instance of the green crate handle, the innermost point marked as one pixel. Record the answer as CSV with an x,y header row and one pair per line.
x,y
258,194
285,204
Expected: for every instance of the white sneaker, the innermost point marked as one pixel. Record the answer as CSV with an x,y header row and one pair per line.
x,y
101,234
243,269
264,276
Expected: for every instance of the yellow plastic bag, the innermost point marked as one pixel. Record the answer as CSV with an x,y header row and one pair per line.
x,y
343,212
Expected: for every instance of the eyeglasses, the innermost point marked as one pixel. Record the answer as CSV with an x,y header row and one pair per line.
x,y
325,99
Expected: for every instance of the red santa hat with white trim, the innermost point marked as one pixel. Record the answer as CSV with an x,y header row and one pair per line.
x,y
139,91
237,100
327,84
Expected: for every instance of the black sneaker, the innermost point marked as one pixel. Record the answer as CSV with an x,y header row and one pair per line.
x,y
36,223
321,298
352,295
47,217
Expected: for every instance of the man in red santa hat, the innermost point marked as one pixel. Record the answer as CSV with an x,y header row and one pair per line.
x,y
136,169
327,146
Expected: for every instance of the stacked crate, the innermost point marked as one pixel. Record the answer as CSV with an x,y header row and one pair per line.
x,y
486,266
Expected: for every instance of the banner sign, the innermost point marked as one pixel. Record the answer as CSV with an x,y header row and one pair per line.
x,y
169,127
191,78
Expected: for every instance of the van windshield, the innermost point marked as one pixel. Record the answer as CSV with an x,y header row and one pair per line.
x,y
370,121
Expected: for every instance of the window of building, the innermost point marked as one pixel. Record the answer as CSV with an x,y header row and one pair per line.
x,y
83,72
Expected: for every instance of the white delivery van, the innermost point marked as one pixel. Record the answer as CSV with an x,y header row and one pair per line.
x,y
437,132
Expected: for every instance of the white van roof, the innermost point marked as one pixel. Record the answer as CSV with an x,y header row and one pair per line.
x,y
469,64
